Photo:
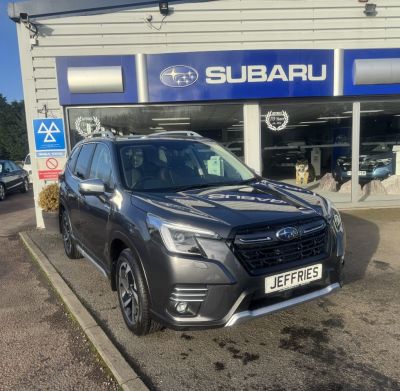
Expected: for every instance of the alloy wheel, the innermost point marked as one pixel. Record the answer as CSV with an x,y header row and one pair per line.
x,y
66,233
2,192
26,185
128,293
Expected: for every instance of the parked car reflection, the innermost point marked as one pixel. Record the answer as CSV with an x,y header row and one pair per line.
x,y
376,162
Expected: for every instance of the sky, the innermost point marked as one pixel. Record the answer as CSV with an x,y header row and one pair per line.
x,y
10,73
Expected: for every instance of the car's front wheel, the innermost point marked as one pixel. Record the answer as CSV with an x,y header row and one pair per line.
x,y
25,186
133,295
68,240
2,192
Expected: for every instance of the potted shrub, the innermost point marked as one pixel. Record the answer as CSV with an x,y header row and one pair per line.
x,y
48,201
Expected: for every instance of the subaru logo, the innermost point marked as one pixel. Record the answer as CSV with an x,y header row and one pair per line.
x,y
288,233
179,76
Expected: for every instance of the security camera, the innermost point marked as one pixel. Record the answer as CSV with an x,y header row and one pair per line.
x,y
164,8
24,17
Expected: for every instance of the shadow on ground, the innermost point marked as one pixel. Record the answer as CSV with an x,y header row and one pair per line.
x,y
362,242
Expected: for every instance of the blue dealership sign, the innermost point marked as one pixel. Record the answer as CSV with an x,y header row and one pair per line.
x,y
49,137
371,72
251,74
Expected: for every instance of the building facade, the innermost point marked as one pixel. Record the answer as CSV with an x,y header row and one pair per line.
x,y
306,92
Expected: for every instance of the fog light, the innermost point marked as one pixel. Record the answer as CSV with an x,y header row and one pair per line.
x,y
182,307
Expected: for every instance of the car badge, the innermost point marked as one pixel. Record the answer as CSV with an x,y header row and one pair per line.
x,y
288,233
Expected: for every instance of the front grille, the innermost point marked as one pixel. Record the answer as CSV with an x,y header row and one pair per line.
x,y
261,251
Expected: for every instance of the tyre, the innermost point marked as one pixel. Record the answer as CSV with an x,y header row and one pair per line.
x,y
133,295
69,242
2,192
25,186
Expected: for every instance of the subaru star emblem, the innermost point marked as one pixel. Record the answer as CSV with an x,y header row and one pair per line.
x,y
179,76
288,233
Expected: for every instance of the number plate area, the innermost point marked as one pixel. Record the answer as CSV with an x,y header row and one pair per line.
x,y
293,278
360,173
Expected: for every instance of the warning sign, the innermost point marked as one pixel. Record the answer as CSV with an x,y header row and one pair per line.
x,y
52,163
49,175
49,169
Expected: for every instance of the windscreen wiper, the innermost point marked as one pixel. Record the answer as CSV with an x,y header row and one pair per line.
x,y
214,184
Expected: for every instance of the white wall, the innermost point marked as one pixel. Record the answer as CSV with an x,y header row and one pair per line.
x,y
214,25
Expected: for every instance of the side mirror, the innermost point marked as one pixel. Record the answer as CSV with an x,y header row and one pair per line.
x,y
92,187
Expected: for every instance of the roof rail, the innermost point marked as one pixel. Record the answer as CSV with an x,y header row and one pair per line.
x,y
188,133
105,134
131,136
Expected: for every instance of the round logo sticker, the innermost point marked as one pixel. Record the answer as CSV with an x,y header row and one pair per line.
x,y
277,120
87,125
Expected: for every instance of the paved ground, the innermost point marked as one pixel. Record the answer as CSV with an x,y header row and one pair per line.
x,y
17,213
41,348
349,341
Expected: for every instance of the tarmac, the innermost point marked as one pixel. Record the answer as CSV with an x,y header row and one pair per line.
x,y
41,345
348,341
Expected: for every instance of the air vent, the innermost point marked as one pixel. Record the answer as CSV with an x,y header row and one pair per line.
x,y
183,294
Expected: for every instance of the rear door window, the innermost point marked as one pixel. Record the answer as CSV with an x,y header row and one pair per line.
x,y
83,162
73,158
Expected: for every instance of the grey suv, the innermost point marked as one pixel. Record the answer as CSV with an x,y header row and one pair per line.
x,y
190,237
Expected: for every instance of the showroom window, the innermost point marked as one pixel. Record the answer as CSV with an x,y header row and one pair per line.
x,y
221,122
308,144
379,167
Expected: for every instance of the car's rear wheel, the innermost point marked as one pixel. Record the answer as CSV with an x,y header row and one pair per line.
x,y
2,192
133,295
25,186
68,240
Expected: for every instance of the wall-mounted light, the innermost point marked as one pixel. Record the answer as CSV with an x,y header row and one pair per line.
x,y
164,9
370,9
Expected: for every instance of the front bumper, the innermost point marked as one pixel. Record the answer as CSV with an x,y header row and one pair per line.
x,y
242,316
224,294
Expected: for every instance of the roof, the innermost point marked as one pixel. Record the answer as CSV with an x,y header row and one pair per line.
x,y
37,9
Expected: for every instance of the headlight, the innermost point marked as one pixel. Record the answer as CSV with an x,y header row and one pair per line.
x,y
385,162
179,238
333,215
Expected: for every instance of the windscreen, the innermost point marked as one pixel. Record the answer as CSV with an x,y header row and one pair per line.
x,y
164,165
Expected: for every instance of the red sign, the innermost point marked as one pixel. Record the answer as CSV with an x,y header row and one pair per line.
x,y
49,175
51,163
